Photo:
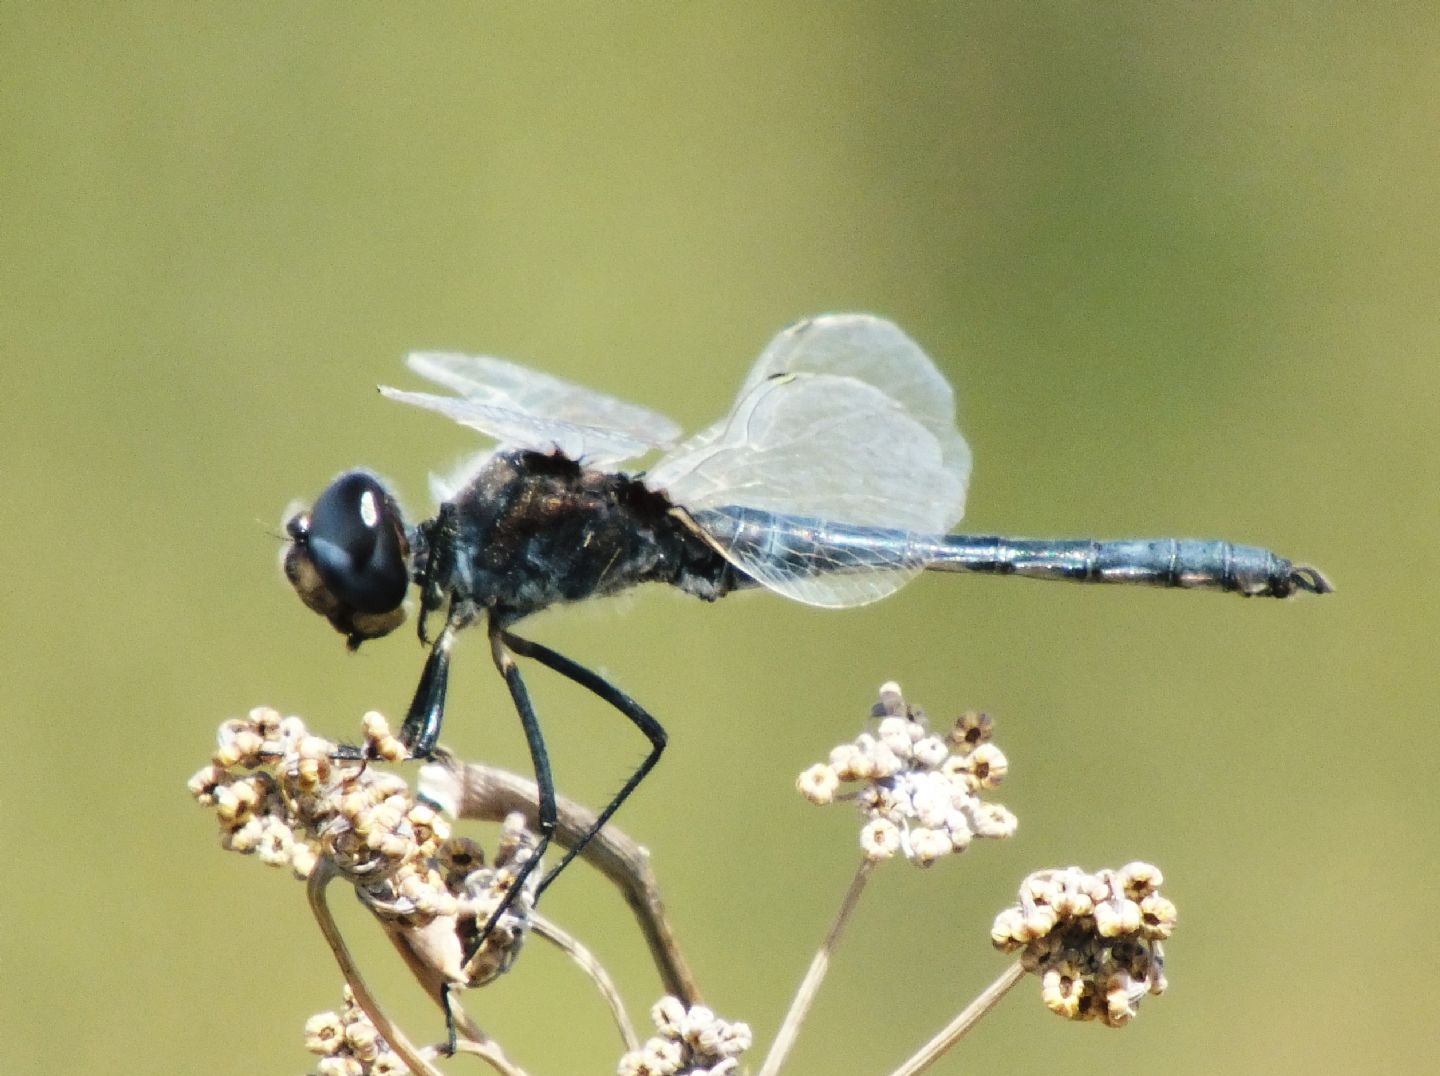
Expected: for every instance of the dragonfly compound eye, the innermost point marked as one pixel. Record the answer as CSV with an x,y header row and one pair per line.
x,y
349,557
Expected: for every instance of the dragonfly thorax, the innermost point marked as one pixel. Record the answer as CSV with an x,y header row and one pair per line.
x,y
532,530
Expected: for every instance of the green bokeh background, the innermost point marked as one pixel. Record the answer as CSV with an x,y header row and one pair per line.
x,y
1180,262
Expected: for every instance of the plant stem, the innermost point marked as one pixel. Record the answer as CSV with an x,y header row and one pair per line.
x,y
810,986
953,1032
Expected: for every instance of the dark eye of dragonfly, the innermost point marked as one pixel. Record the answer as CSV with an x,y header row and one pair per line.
x,y
349,557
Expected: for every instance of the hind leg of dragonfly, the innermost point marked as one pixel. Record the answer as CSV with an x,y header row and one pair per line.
x,y
504,647
633,711
504,658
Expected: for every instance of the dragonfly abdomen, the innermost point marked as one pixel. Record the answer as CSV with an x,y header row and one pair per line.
x,y
1185,563
795,547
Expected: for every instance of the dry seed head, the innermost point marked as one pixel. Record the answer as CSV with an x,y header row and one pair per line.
x,y
324,1033
291,799
691,1042
379,741
972,728
879,838
348,1043
1097,950
818,784
339,1066
919,792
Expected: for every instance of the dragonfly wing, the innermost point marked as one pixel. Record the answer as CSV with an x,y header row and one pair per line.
x,y
878,352
597,446
509,385
804,567
817,433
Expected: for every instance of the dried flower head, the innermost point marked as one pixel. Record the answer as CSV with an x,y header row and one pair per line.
x,y
692,1042
1094,939
288,797
919,792
347,1042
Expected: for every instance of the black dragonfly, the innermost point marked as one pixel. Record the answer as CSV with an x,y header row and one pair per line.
x,y
835,478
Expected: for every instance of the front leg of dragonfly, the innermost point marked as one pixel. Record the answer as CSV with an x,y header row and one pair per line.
x,y
421,730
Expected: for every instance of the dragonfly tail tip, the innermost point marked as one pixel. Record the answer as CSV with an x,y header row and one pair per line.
x,y
1303,577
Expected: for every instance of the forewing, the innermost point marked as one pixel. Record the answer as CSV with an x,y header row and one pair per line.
x,y
595,445
505,384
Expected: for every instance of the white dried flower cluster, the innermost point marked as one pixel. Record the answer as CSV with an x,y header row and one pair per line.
x,y
920,792
692,1042
283,793
1094,939
349,1044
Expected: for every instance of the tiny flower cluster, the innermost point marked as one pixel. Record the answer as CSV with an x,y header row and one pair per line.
x,y
349,1044
921,791
1094,939
290,797
692,1042
279,792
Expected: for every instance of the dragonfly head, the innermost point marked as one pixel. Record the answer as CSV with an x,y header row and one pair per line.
x,y
349,557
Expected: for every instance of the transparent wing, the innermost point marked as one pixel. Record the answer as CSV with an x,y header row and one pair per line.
x,y
519,429
815,562
525,408
843,420
875,351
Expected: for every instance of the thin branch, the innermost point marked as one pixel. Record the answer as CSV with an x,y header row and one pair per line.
x,y
488,1050
587,963
320,878
476,791
810,985
953,1032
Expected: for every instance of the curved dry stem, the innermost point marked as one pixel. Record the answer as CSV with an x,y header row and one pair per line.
x,y
477,791
810,985
954,1031
587,963
489,1051
320,878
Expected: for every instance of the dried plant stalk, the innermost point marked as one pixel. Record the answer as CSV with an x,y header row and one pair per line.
x,y
954,1031
810,986
586,962
476,791
315,887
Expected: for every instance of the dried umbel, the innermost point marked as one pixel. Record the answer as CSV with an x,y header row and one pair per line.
x,y
282,794
1094,939
692,1042
920,792
348,1044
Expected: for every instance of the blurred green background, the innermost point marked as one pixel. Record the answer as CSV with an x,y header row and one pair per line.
x,y
1180,262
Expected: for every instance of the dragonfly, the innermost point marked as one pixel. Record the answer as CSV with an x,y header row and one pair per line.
x,y
836,477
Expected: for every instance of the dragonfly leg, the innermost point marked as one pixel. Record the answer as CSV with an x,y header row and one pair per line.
x,y
504,646
422,724
637,715
504,658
